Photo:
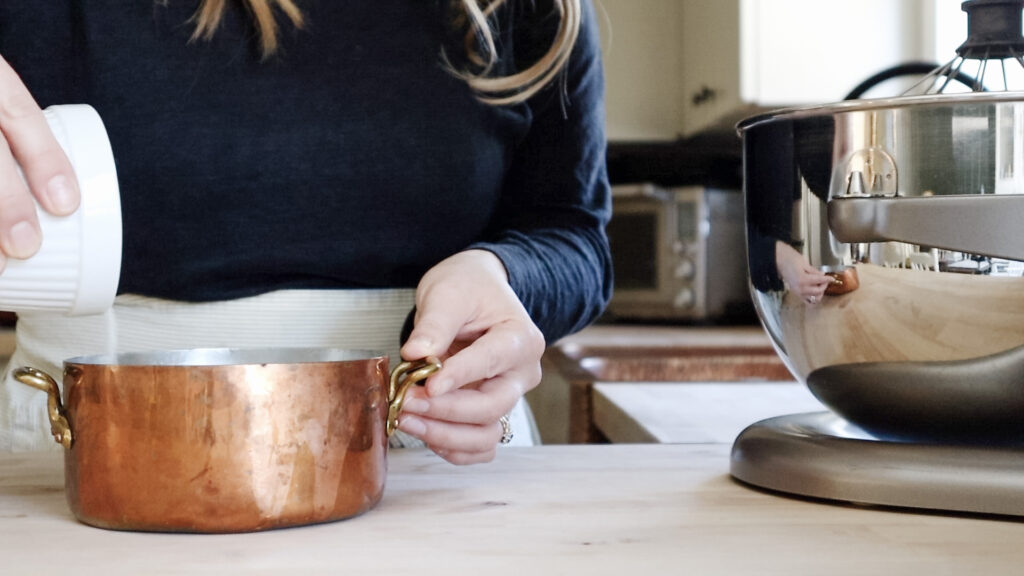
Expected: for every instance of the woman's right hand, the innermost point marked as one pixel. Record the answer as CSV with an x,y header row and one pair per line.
x,y
26,140
806,281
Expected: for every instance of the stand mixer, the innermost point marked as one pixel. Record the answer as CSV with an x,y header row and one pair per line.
x,y
920,200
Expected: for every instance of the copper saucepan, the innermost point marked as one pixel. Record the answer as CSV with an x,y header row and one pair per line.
x,y
224,440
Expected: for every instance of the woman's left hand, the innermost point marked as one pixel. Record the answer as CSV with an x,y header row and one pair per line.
x,y
806,281
468,315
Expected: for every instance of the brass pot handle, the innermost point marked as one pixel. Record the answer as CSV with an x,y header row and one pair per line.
x,y
402,377
59,426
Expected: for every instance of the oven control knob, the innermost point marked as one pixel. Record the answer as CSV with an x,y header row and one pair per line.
x,y
685,269
685,299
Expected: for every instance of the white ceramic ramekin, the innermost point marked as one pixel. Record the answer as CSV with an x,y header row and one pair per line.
x,y
77,268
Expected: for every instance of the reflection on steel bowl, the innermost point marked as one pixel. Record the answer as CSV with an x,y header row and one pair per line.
x,y
844,279
922,200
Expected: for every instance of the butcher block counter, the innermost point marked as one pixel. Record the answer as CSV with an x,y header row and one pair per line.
x,y
571,509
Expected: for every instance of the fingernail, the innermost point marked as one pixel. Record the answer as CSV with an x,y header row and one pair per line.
x,y
413,426
62,196
24,240
416,405
420,342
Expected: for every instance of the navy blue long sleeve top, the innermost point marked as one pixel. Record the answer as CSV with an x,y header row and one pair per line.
x,y
350,159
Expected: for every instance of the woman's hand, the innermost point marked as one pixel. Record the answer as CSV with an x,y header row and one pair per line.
x,y
806,281
467,315
26,140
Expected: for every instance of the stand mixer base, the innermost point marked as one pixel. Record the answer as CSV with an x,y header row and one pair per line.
x,y
820,455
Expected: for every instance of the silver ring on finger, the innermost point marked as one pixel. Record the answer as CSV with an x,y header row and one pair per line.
x,y
506,429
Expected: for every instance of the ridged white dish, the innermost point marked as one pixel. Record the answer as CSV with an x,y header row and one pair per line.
x,y
77,268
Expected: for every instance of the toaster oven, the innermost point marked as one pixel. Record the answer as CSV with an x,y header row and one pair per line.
x,y
679,254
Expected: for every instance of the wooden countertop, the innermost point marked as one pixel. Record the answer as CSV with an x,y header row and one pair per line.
x,y
578,510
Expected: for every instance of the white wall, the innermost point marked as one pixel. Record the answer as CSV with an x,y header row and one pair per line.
x,y
643,56
660,53
950,28
816,51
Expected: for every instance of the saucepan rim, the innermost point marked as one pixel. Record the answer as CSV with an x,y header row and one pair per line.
x,y
200,357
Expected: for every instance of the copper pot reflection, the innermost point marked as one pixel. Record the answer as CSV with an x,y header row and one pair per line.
x,y
220,440
844,279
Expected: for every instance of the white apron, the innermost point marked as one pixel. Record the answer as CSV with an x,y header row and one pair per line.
x,y
362,319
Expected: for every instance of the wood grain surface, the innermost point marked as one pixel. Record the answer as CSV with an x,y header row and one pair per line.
x,y
900,314
579,510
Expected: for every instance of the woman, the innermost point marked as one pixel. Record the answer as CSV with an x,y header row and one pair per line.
x,y
308,173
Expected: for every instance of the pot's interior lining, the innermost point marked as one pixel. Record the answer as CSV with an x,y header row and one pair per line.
x,y
226,357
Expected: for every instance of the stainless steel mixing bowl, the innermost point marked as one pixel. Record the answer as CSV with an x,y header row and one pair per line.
x,y
924,198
